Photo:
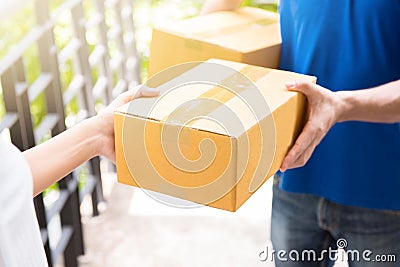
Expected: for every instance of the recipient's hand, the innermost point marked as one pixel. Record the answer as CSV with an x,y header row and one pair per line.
x,y
325,110
104,122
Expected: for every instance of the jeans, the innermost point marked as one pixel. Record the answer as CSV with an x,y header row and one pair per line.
x,y
303,225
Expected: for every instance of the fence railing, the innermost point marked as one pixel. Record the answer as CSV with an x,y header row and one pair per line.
x,y
98,70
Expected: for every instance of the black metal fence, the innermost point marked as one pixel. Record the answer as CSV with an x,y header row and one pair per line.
x,y
96,78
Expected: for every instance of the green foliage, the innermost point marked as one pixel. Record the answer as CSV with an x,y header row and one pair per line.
x,y
270,7
13,30
148,13
21,24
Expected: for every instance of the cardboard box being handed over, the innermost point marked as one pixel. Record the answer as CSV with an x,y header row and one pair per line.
x,y
216,133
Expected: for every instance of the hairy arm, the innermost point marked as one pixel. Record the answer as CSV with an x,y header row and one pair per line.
x,y
220,5
380,104
52,160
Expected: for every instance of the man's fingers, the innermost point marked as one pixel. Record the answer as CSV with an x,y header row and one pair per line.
x,y
290,158
303,143
307,88
319,123
298,157
302,159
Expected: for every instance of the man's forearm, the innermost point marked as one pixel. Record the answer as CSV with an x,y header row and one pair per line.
x,y
57,157
379,104
220,5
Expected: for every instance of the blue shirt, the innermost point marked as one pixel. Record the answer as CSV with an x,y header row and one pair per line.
x,y
348,45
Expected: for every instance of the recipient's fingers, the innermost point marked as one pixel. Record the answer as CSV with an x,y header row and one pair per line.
x,y
145,91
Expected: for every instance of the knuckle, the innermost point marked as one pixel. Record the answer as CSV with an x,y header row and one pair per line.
x,y
302,83
297,147
302,160
320,129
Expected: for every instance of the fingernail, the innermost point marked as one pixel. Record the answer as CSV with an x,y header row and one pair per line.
x,y
291,84
283,167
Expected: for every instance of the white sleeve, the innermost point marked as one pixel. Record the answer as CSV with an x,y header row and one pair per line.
x,y
20,241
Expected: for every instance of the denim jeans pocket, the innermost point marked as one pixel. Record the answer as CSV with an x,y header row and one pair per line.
x,y
364,220
391,212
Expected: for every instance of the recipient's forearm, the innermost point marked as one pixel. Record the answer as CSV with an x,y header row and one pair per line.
x,y
57,157
379,104
220,5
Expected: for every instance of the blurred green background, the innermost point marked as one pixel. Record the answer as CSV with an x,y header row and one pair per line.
x,y
146,14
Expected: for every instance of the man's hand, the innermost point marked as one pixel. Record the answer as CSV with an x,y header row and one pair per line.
x,y
325,109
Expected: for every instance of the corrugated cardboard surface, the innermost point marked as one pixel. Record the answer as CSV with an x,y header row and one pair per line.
x,y
249,35
201,160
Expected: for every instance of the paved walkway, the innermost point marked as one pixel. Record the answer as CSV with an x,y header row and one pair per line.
x,y
135,230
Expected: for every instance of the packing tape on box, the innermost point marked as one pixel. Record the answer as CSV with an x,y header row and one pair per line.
x,y
241,80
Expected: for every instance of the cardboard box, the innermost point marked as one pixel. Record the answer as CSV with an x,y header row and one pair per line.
x,y
248,35
207,143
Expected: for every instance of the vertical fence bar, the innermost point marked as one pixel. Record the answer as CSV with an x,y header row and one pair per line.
x,y
103,41
10,102
133,60
78,23
70,213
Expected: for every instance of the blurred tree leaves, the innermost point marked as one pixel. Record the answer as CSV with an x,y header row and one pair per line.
x,y
146,14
